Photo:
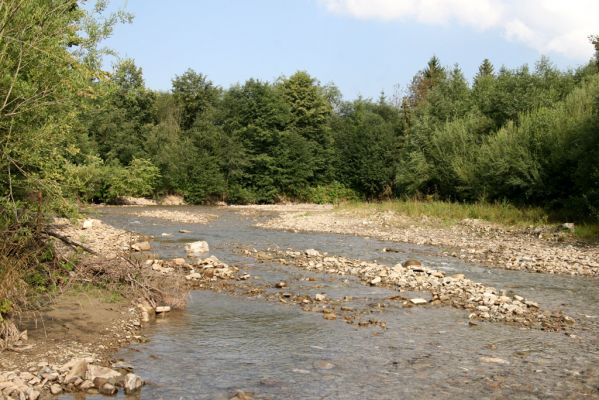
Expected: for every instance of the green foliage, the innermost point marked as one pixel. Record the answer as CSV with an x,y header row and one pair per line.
x,y
97,181
333,193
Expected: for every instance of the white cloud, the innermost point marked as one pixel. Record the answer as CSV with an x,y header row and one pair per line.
x,y
549,26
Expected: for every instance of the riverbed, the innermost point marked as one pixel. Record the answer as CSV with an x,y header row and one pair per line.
x,y
222,343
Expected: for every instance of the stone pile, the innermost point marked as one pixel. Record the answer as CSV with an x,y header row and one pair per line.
x,y
210,268
541,249
185,217
77,375
482,302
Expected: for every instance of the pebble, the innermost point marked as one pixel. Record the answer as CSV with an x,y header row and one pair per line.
x,y
494,360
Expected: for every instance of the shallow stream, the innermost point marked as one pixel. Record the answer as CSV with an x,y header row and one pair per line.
x,y
222,343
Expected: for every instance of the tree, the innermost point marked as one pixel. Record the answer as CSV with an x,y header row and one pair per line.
x,y
194,94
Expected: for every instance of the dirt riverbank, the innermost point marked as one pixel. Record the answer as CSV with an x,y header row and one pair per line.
x,y
536,249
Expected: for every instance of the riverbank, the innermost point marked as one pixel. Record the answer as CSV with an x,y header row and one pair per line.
x,y
68,344
542,248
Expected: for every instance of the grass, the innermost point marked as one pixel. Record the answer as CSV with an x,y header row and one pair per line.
x,y
501,213
445,212
589,232
105,295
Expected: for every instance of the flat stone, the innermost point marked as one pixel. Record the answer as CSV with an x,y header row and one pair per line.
x,y
162,309
184,231
411,263
141,246
96,371
329,316
418,301
323,364
494,360
179,261
320,296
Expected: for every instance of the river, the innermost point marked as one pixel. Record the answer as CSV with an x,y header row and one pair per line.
x,y
222,343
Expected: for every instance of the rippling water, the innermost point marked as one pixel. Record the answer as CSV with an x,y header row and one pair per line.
x,y
223,343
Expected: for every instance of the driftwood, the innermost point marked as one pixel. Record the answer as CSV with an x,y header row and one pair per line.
x,y
70,242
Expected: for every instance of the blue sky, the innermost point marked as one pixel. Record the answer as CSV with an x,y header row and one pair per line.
x,y
363,46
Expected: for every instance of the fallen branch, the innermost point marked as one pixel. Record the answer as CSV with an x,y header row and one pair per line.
x,y
70,242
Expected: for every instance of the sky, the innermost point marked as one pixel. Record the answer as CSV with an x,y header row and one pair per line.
x,y
363,46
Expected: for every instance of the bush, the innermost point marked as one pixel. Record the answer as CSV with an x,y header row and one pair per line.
x,y
333,193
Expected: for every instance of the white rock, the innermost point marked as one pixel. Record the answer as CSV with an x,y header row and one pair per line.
x,y
132,383
88,224
376,280
320,297
162,309
494,360
312,253
196,248
418,301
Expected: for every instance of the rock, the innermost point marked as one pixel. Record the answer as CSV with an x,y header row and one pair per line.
x,y
162,309
323,364
55,389
196,248
132,383
164,234
320,296
77,370
418,301
88,224
96,371
241,395
568,226
122,365
194,276
494,360
179,261
329,316
411,263
107,389
376,280
34,394
86,385
184,231
141,246
312,253
281,285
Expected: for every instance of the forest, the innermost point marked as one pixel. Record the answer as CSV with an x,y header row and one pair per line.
x,y
72,133
68,130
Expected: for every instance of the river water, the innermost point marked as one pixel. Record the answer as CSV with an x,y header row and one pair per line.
x,y
222,343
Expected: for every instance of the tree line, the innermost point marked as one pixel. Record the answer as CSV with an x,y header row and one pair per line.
x,y
527,136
